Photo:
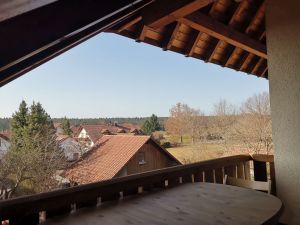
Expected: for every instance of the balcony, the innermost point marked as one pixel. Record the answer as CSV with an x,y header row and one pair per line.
x,y
43,207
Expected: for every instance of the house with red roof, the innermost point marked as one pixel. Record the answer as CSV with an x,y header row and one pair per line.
x,y
90,134
119,155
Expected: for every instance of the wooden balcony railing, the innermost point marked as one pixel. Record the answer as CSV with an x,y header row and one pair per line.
x,y
28,209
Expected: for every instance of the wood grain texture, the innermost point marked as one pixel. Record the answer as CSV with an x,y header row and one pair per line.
x,y
196,203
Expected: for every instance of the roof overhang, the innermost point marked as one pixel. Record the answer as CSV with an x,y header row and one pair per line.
x,y
225,32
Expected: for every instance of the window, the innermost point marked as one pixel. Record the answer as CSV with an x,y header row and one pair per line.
x,y
141,158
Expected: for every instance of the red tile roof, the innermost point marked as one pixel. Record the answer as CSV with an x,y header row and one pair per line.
x,y
107,158
95,131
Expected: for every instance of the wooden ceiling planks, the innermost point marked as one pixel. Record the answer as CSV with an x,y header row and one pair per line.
x,y
225,32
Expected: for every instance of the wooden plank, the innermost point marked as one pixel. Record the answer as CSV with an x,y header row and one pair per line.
x,y
164,12
263,158
220,31
192,203
240,171
247,170
257,66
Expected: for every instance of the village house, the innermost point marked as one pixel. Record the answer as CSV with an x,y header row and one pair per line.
x,y
71,147
4,142
88,135
119,155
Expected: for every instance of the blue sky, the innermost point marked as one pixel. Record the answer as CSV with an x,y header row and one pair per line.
x,y
112,76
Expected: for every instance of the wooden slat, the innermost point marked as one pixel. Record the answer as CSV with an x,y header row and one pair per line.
x,y
220,31
164,12
240,171
257,66
247,170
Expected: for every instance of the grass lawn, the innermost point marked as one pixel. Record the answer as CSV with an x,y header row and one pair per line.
x,y
190,153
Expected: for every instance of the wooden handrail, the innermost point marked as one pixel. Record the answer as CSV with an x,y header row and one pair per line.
x,y
63,198
263,158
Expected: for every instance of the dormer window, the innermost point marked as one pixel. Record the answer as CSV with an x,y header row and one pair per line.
x,y
141,158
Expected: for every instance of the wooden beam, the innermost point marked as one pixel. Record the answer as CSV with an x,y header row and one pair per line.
x,y
129,24
220,31
164,12
170,35
257,66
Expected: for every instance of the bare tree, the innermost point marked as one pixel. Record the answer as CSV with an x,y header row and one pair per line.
x,y
186,120
254,126
225,115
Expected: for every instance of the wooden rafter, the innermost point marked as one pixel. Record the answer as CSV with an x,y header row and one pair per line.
x,y
265,72
257,66
164,12
230,24
129,24
141,34
170,35
261,8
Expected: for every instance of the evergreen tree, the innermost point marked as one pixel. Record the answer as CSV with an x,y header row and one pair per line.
x,y
151,125
19,124
34,155
154,123
66,126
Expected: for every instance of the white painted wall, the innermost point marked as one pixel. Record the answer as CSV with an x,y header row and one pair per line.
x,y
83,134
283,42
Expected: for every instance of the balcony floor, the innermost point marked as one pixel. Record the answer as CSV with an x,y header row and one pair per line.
x,y
193,203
